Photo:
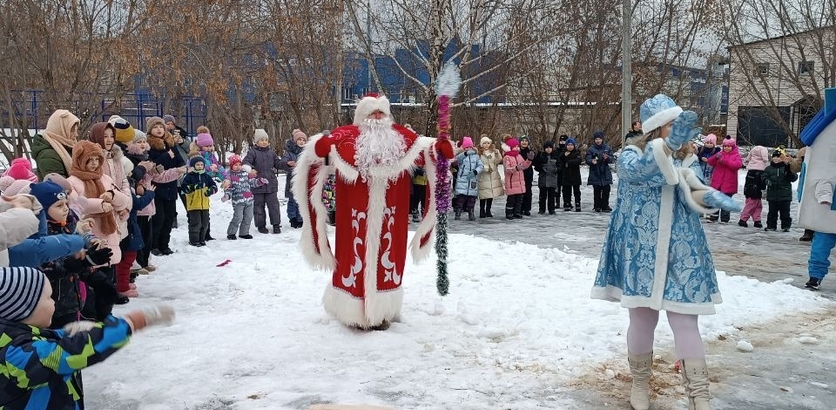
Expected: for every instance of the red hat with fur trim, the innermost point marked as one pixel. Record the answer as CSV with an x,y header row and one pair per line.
x,y
369,104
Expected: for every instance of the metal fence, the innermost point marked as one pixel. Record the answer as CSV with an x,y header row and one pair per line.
x,y
135,107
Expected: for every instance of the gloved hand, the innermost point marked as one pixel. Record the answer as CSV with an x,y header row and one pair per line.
x,y
717,199
683,130
225,197
151,316
100,256
475,172
188,189
530,155
208,191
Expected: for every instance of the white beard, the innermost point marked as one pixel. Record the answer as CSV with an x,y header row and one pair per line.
x,y
379,146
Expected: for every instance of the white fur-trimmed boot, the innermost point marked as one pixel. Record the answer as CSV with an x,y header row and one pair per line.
x,y
695,380
641,367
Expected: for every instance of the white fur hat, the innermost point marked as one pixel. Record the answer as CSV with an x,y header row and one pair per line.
x,y
658,111
369,104
260,134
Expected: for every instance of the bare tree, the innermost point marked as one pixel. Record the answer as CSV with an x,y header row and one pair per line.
x,y
782,58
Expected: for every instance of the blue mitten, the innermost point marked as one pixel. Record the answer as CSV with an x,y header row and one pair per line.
x,y
683,130
717,199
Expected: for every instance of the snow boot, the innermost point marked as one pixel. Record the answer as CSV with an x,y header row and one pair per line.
x,y
742,223
813,284
641,367
695,380
231,237
758,224
807,237
488,214
458,215
471,216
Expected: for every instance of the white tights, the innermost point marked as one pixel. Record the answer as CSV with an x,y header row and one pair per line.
x,y
686,333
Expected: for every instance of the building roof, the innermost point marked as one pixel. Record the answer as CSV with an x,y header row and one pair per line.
x,y
780,37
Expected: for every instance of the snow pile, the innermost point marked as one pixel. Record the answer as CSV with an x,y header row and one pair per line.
x,y
517,327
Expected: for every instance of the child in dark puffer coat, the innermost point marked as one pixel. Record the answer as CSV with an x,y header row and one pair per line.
x,y
779,178
238,188
753,188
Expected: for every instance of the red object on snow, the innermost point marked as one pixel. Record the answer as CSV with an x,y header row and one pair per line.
x,y
224,263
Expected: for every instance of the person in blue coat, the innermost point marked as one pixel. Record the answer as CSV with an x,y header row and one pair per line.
x,y
599,157
655,255
467,179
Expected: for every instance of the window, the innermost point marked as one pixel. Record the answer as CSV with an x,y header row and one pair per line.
x,y
805,67
762,69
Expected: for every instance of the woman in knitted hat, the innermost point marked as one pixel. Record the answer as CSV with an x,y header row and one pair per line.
x,y
293,148
490,182
52,149
163,152
265,163
655,255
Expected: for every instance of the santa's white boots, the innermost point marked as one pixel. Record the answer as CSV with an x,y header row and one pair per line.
x,y
695,380
641,369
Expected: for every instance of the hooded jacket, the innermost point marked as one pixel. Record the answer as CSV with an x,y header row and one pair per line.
x,y
726,165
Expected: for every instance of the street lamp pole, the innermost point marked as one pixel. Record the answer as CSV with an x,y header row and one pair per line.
x,y
626,70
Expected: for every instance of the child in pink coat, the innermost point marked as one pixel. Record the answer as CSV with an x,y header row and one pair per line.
x,y
726,163
104,199
514,165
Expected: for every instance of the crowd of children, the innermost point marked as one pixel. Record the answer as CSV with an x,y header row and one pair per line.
x,y
71,234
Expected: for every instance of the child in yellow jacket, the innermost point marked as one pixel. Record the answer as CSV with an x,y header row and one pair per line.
x,y
198,186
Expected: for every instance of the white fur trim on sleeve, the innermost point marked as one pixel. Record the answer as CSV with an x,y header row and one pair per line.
x,y
664,161
323,257
688,183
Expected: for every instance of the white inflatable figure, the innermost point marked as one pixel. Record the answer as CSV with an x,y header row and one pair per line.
x,y
816,210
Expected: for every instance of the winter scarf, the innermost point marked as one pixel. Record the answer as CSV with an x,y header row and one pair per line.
x,y
93,187
57,134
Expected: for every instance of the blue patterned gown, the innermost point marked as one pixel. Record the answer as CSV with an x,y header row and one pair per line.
x,y
655,254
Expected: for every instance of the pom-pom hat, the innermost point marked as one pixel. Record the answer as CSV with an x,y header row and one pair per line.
x,y
658,111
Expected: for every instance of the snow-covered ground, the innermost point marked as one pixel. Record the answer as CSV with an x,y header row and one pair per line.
x,y
518,330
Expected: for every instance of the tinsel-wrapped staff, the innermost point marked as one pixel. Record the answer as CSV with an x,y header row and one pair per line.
x,y
447,86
